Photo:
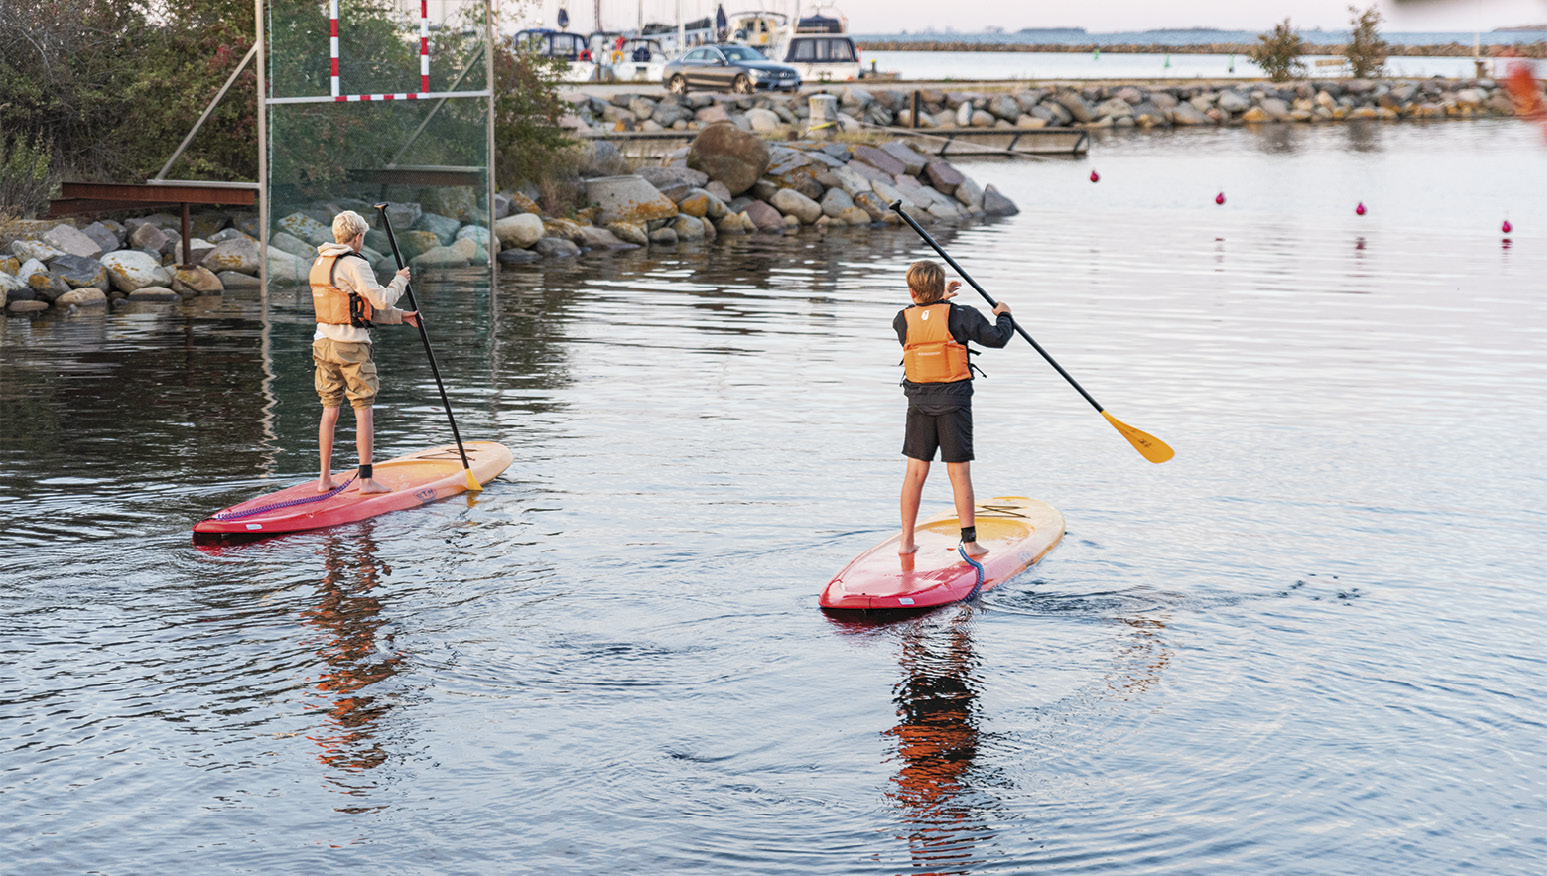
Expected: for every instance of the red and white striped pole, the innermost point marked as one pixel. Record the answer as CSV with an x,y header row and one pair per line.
x,y
424,46
333,46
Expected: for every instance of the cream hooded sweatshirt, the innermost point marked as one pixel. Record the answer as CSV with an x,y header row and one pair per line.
x,y
355,275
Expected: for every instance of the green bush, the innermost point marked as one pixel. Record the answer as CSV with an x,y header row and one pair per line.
x,y
1278,53
1366,51
529,146
25,183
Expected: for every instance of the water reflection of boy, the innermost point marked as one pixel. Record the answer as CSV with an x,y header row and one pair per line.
x,y
351,616
940,413
342,352
937,743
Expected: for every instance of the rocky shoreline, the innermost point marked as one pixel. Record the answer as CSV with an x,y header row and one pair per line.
x,y
1029,108
744,173
729,182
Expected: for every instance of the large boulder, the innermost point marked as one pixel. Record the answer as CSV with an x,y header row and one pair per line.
x,y
103,236
879,159
666,177
90,296
701,203
970,195
233,280
1076,106
872,204
286,269
236,253
942,175
601,238
413,244
996,204
73,242
1234,101
793,203
629,198
764,217
196,281
35,249
556,248
689,228
630,232
130,269
730,155
835,202
79,272
763,121
294,245
148,236
912,162
443,227
442,257
519,231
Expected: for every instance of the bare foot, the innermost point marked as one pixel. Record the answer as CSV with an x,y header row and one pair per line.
x,y
974,549
325,484
367,485
907,547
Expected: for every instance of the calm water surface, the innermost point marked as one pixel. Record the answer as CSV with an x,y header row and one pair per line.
x,y
973,66
1312,643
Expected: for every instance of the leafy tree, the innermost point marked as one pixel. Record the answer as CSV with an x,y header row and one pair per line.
x,y
528,143
1366,51
1278,52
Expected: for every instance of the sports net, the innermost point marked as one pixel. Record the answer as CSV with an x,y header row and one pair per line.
x,y
378,100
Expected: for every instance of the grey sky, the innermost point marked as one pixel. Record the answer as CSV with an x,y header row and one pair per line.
x,y
1109,15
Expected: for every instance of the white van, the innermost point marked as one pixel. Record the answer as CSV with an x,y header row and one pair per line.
x,y
820,57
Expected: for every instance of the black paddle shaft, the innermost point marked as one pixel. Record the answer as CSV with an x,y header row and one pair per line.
x,y
897,206
424,335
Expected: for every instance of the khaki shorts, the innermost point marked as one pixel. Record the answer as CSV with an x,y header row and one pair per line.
x,y
344,371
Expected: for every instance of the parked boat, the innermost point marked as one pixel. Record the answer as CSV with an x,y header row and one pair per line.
x,y
571,47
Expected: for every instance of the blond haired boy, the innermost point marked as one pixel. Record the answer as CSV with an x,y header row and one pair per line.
x,y
348,302
937,379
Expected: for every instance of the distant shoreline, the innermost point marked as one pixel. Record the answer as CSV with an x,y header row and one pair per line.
x,y
1440,50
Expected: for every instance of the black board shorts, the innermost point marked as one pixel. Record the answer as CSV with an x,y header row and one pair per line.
x,y
949,432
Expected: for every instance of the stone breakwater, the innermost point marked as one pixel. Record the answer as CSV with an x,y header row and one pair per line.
x,y
55,264
729,182
1092,106
732,182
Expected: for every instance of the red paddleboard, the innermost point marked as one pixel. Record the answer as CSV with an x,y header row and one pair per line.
x,y
1017,532
414,480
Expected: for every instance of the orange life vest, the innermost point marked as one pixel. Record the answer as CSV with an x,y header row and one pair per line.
x,y
335,306
930,354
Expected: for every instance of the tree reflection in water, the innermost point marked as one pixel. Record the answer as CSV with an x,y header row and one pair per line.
x,y
354,657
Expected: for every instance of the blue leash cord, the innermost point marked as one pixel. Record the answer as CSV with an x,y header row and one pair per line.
x,y
238,515
978,587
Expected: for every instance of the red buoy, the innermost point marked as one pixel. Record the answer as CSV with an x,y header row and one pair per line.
x,y
1508,227
1095,177
1359,210
1219,198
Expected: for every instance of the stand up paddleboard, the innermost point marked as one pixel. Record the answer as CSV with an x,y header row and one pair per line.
x,y
415,479
1017,532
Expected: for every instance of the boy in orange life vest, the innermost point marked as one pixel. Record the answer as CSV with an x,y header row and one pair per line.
x,y
348,302
938,383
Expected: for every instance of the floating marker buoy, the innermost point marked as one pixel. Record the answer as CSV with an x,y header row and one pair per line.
x,y
1359,210
1507,227
1095,177
1219,198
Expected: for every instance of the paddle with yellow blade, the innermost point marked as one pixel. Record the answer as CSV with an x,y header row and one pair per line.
x,y
1152,448
472,482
